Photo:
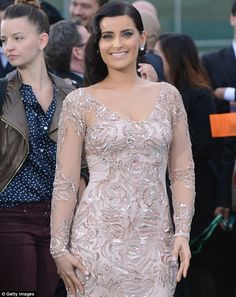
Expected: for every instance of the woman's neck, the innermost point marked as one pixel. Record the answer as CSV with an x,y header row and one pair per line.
x,y
117,79
35,75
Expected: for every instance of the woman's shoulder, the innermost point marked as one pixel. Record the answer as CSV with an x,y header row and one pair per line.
x,y
164,86
170,93
76,98
77,94
168,87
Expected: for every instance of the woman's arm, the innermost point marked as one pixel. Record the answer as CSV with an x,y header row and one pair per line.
x,y
66,185
181,171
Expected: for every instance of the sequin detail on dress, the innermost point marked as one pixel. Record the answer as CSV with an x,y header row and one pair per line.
x,y
122,228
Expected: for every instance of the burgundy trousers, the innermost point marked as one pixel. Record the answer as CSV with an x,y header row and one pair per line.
x,y
25,260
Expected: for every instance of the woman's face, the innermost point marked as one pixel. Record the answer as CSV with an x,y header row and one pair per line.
x,y
158,50
120,42
21,42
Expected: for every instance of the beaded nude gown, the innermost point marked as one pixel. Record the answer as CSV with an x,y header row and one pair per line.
x,y
122,227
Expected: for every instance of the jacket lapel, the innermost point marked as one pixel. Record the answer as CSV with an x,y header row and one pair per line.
x,y
15,114
228,61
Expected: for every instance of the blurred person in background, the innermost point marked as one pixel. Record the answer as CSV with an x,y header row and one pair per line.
x,y
28,136
183,69
5,66
152,29
221,68
84,10
147,6
65,50
27,152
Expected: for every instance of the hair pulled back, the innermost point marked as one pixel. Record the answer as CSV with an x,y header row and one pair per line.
x,y
34,3
31,10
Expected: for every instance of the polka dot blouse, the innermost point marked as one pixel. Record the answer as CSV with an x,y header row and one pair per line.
x,y
34,181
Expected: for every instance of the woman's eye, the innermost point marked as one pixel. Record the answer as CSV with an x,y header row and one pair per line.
x,y
107,36
127,34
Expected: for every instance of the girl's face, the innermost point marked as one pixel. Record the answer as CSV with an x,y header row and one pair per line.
x,y
158,50
22,44
120,42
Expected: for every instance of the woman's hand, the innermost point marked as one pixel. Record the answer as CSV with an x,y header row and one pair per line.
x,y
147,72
66,266
182,251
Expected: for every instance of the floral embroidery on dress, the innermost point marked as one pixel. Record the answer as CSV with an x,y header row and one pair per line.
x,y
122,228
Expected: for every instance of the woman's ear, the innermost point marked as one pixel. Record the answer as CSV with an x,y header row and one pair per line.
x,y
143,38
43,40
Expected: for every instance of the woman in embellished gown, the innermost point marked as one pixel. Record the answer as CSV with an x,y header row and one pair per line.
x,y
118,240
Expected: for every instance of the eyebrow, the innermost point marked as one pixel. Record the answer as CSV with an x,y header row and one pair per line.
x,y
17,33
14,34
122,31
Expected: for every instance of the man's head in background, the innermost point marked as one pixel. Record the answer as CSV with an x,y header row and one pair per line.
x,y
233,18
3,5
84,10
152,28
65,49
143,5
150,20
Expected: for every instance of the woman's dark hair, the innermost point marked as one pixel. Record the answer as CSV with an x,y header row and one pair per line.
x,y
31,10
182,56
95,68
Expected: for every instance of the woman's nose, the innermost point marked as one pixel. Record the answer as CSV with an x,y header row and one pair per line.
x,y
117,42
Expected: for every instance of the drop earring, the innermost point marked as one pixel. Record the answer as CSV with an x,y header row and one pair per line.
x,y
142,47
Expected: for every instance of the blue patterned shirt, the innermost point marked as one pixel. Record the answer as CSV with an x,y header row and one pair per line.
x,y
34,180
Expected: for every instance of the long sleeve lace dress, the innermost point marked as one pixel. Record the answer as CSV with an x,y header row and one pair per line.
x,y
122,227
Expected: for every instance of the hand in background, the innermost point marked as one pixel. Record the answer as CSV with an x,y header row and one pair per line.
x,y
219,93
147,72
